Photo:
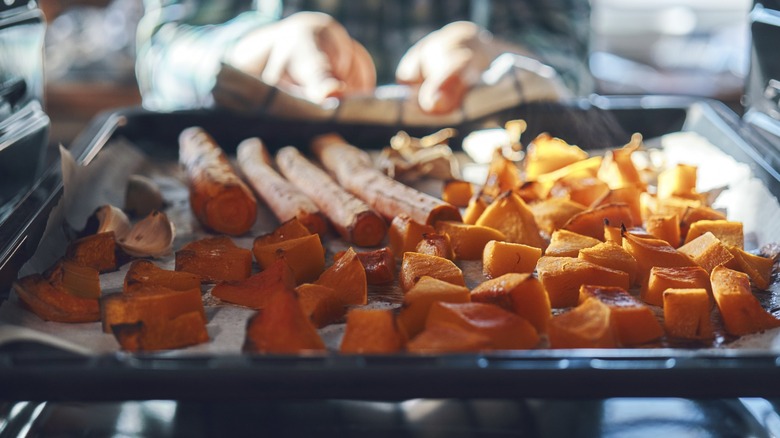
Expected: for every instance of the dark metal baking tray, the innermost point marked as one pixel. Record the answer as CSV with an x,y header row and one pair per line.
x,y
31,371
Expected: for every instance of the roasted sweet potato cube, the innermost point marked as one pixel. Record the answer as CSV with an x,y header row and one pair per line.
x,y
468,241
182,331
758,268
505,330
448,339
347,277
532,191
613,256
585,191
588,325
591,222
436,244
501,258
546,154
304,255
652,252
613,234
414,266
678,277
687,313
52,302
255,291
679,181
146,273
521,294
320,303
730,233
633,322
418,300
379,265
510,215
457,192
404,234
694,212
707,251
628,195
565,243
563,276
98,251
503,175
741,311
617,168
215,259
282,328
372,331
79,280
147,304
475,208
553,213
665,227
587,168
291,229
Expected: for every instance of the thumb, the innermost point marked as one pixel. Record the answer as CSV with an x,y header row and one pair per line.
x,y
442,91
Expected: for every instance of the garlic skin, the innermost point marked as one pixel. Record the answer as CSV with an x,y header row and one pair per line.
x,y
151,237
111,218
142,196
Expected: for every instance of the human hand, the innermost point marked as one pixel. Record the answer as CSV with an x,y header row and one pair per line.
x,y
307,53
447,62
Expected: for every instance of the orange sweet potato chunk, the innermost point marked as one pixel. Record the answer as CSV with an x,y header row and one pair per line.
x,y
742,313
585,191
418,300
457,192
477,206
448,339
563,276
255,291
707,251
546,154
304,255
149,304
730,233
503,175
565,243
628,195
613,256
215,259
679,181
552,213
291,229
404,234
379,265
79,280
501,258
633,322
695,212
347,277
758,268
588,325
652,252
521,294
320,303
282,328
52,302
678,277
468,241
505,329
436,244
665,227
687,313
591,222
182,331
372,331
617,168
146,273
414,266
510,215
98,251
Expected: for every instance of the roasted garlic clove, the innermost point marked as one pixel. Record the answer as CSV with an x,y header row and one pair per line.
x,y
142,196
111,218
151,237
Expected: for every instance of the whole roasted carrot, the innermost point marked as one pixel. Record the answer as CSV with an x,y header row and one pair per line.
x,y
283,198
218,197
353,219
355,172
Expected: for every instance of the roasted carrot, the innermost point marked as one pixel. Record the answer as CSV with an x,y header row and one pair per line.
x,y
355,172
218,197
353,219
282,197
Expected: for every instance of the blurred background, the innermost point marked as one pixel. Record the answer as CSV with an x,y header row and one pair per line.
x,y
689,47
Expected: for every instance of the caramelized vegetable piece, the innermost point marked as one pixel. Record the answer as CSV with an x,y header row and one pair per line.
x,y
448,339
687,313
521,294
98,251
588,325
282,328
468,241
628,195
565,243
372,331
379,265
320,303
219,198
694,213
52,302
504,329
254,291
563,276
664,227
215,259
613,256
404,234
585,191
730,233
78,280
436,244
414,266
591,222
503,175
510,215
304,255
418,300
149,304
146,273
182,331
291,229
457,192
742,313
652,252
758,268
634,323
679,181
617,169
551,214
347,277
679,277
707,251
475,208
546,154
501,258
